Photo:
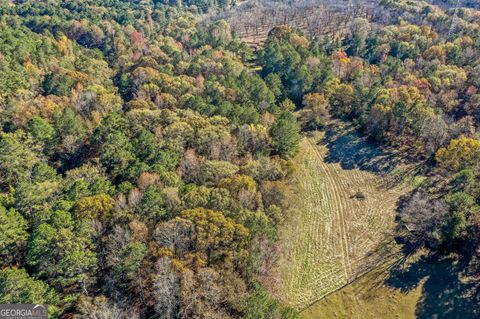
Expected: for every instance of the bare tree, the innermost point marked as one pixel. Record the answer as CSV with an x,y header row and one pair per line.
x,y
175,235
101,308
166,289
422,216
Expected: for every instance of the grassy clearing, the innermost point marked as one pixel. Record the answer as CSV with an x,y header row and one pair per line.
x,y
419,286
368,297
334,237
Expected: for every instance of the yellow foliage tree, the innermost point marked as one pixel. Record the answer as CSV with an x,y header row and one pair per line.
x,y
93,207
459,154
216,236
242,187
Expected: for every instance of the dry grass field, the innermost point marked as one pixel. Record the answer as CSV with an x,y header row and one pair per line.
x,y
369,298
334,236
419,285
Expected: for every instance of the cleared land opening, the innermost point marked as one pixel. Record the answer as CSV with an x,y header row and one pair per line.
x,y
343,226
369,297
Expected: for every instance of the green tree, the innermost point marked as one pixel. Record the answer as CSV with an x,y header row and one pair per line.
x,y
13,234
62,255
462,202
275,85
131,258
463,179
43,172
33,198
41,130
17,156
455,226
70,133
58,84
152,205
213,171
16,286
286,134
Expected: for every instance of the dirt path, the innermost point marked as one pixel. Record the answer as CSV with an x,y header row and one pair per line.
x,y
333,237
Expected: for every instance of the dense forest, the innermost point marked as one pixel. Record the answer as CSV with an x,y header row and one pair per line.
x,y
144,166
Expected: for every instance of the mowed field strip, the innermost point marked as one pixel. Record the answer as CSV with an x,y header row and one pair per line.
x,y
333,237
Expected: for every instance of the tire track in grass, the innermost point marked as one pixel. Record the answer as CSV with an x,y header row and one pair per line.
x,y
320,214
338,209
332,237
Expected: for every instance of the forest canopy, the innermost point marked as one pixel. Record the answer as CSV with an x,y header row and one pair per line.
x,y
141,163
145,165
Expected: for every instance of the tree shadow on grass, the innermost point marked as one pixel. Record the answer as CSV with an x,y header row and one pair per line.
x,y
444,295
347,147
